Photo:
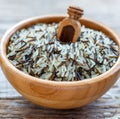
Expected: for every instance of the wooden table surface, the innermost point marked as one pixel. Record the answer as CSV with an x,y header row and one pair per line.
x,y
12,104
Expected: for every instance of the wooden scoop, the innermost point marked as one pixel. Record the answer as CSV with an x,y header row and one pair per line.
x,y
70,28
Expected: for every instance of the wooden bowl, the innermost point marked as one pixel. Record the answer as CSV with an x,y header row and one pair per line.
x,y
60,95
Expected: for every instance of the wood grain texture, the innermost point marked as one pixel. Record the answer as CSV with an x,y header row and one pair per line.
x,y
13,11
107,107
20,108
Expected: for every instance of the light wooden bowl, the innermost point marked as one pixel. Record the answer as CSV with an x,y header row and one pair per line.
x,y
60,95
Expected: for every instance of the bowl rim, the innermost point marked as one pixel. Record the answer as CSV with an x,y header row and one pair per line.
x,y
3,56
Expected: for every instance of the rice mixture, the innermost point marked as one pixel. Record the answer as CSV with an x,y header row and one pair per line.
x,y
37,52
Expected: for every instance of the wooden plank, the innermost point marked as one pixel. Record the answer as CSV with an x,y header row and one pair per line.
x,y
20,108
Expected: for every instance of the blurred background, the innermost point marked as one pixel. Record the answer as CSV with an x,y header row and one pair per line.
x,y
13,11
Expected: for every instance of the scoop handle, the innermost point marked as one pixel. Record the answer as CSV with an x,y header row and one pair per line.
x,y
70,28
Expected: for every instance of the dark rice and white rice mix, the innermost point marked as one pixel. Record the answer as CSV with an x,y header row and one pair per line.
x,y
37,52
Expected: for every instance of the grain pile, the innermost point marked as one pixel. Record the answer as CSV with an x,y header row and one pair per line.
x,y
37,52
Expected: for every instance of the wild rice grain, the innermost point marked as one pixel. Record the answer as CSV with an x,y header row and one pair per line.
x,y
37,52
